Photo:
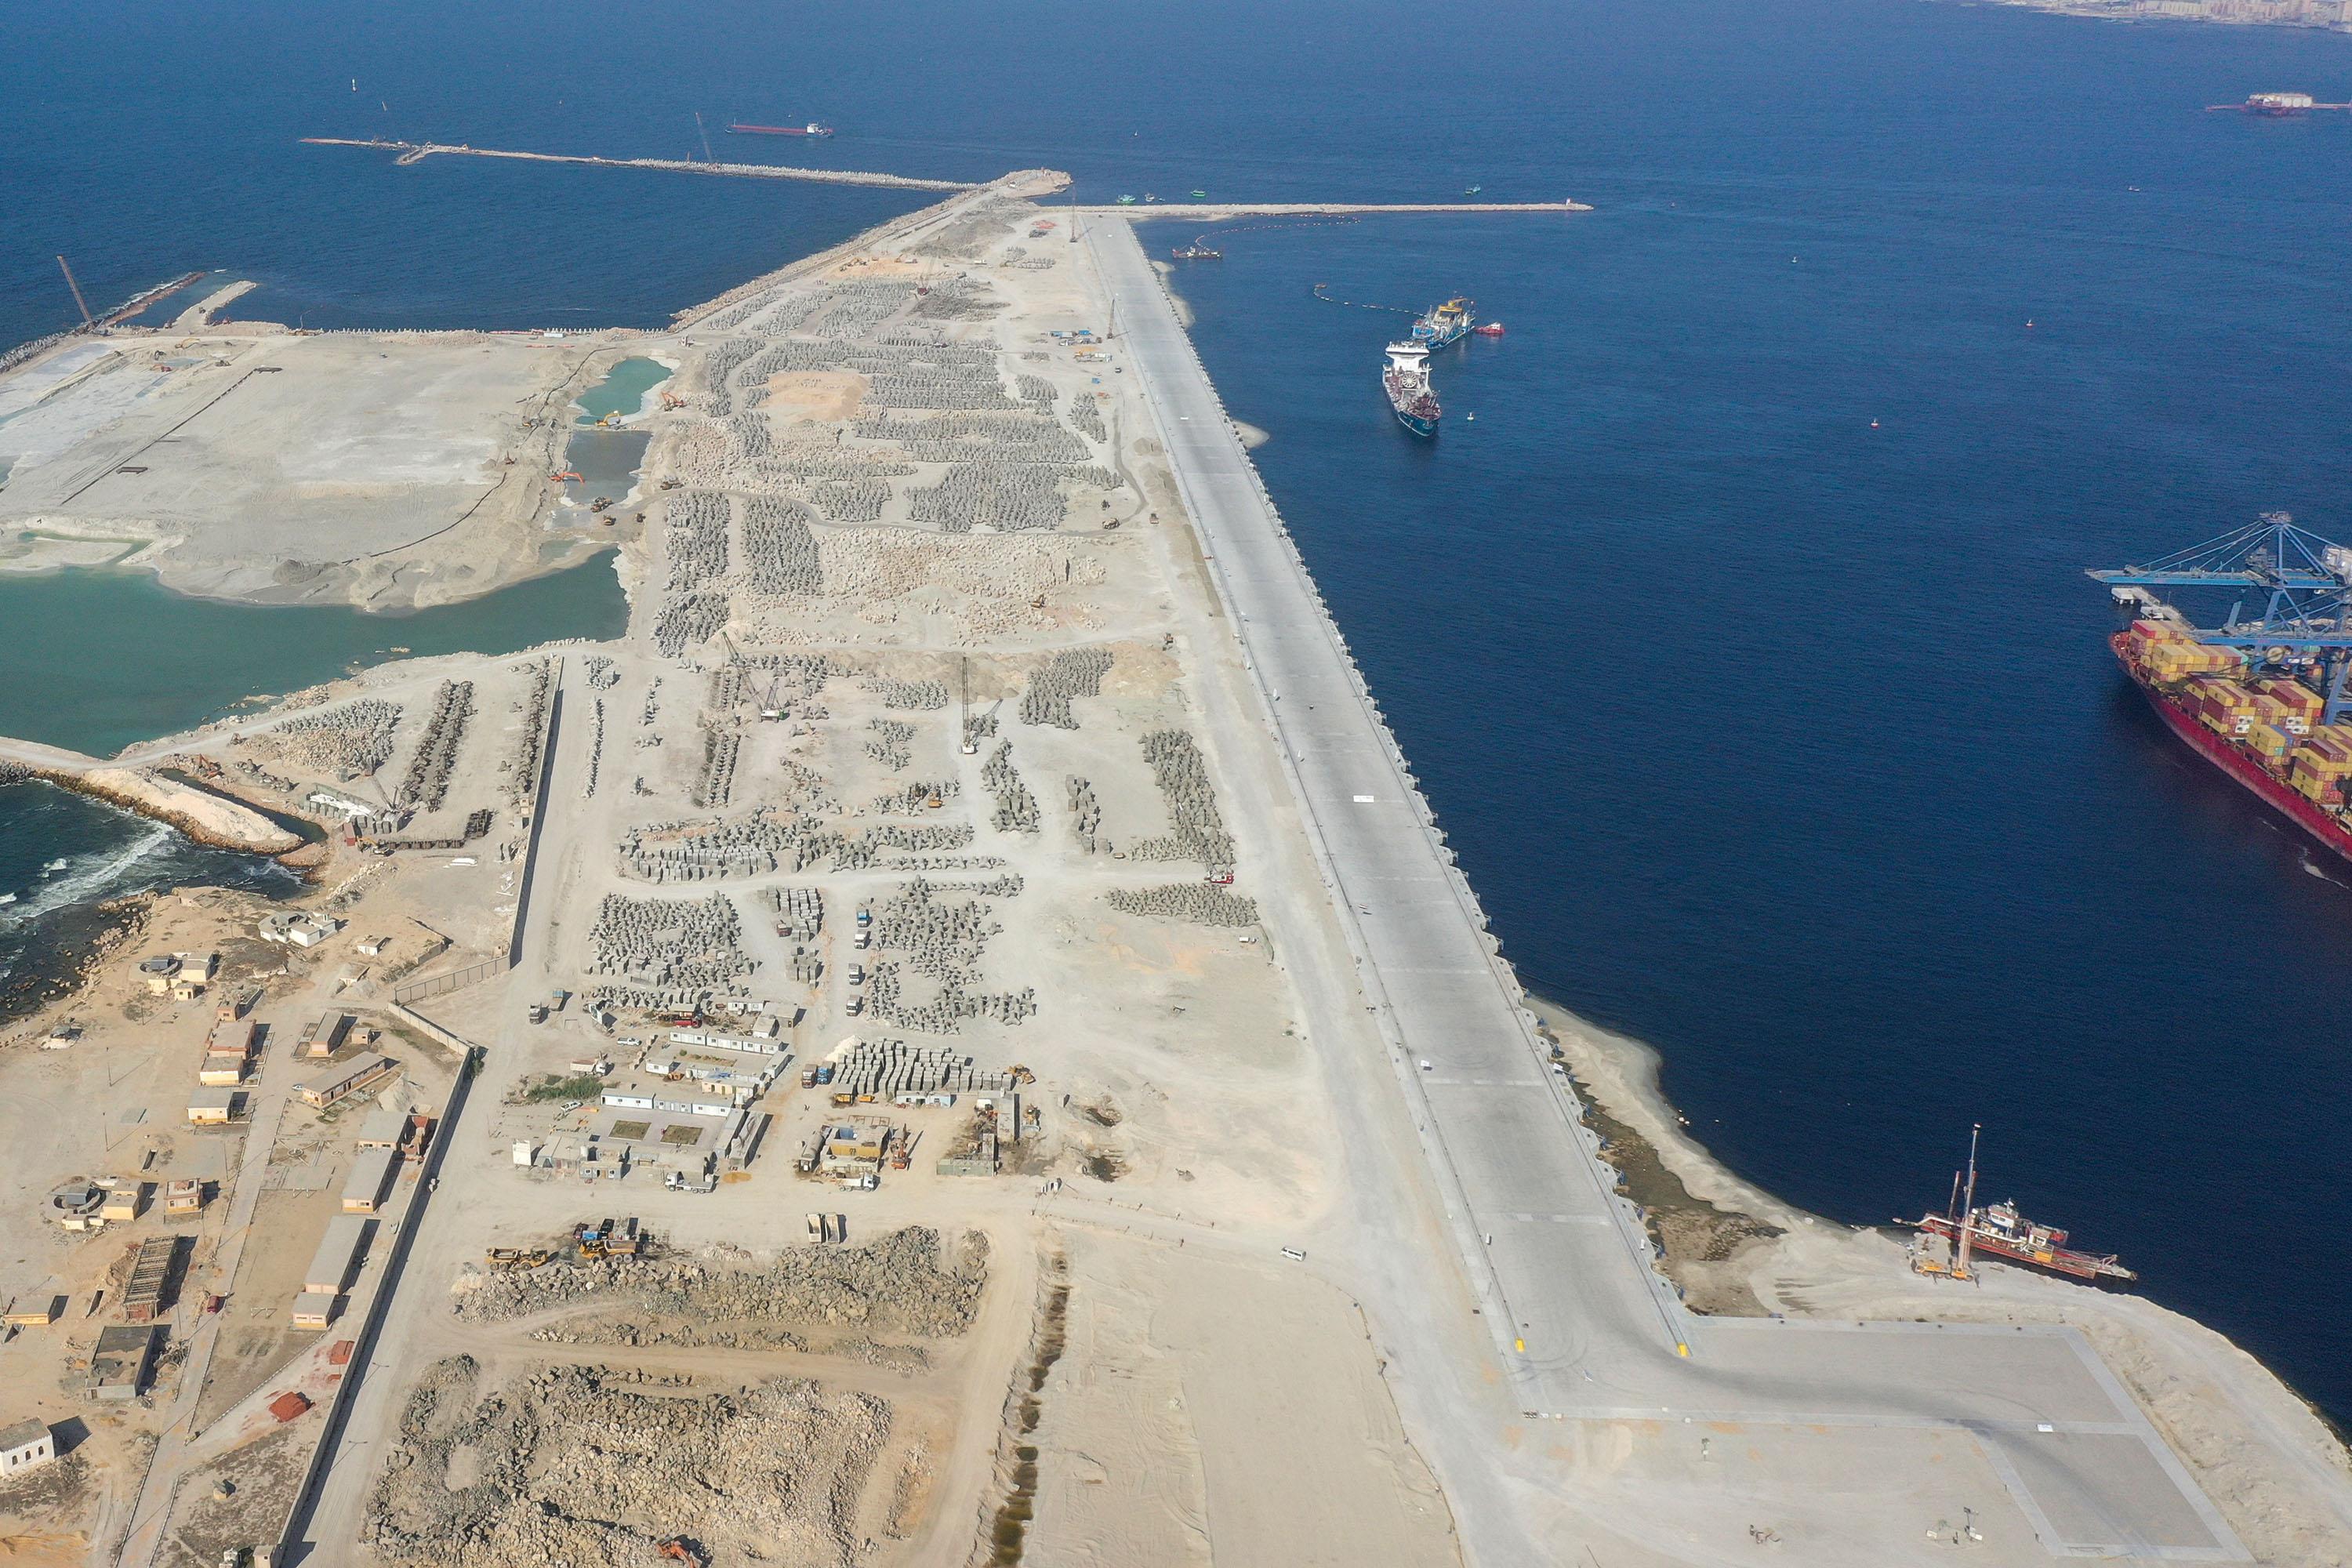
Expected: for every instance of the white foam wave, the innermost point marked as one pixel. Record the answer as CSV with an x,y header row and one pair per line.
x,y
88,878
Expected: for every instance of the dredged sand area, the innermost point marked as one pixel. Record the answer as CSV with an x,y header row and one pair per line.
x,y
943,618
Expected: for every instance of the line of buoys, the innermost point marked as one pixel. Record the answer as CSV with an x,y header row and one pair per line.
x,y
1357,303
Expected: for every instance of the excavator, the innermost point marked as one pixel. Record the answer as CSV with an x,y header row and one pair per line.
x,y
678,1549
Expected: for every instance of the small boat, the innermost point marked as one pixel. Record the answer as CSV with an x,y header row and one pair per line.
x,y
1127,201
1491,330
57,864
1200,195
1196,251
1474,190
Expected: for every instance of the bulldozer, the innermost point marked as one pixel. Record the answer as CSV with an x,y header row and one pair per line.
x,y
520,1258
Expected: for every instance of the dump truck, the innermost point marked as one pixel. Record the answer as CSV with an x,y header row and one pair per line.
x,y
520,1257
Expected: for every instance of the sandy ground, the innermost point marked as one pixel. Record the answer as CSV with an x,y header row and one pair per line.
x,y
893,513
386,469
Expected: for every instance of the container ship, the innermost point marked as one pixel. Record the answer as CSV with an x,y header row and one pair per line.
x,y
1406,378
2247,697
1447,323
811,129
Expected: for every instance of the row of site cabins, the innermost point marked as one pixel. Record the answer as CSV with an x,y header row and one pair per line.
x,y
2276,717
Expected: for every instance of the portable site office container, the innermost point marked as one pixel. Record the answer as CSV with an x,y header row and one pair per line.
x,y
339,1253
370,1175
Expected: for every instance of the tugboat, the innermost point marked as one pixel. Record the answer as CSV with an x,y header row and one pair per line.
x,y
1406,378
1444,324
1998,1229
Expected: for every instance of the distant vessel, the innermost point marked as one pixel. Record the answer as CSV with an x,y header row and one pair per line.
x,y
2274,105
1200,195
1491,330
811,129
1474,190
1196,251
1444,324
1127,201
1406,378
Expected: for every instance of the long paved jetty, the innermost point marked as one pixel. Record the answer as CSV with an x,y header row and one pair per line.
x,y
417,151
1211,212
1585,1329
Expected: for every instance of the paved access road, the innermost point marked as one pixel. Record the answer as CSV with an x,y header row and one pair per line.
x,y
1583,1326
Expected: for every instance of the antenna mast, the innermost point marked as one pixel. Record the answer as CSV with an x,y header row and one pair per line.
x,y
77,293
1968,1208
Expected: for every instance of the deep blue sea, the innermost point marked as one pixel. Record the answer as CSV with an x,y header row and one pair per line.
x,y
1785,739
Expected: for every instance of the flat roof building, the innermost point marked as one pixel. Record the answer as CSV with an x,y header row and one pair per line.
x,y
339,1253
118,1366
212,1105
383,1128
347,1079
370,1175
314,1309
221,1072
326,1037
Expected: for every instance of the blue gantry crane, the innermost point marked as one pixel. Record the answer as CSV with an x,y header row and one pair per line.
x,y
2299,584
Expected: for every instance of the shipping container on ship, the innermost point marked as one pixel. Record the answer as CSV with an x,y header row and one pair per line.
x,y
2263,698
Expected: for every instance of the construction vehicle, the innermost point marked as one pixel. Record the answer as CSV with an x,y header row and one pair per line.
x,y
678,1549
589,1237
1021,1076
520,1257
624,1242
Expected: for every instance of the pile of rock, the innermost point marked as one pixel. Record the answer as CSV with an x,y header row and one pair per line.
x,y
349,742
670,942
890,743
1016,808
426,785
697,538
1184,780
1073,673
778,549
688,621
1195,901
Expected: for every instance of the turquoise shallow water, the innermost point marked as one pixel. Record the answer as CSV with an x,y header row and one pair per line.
x,y
97,660
622,390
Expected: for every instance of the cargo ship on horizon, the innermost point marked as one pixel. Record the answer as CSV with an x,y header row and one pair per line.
x,y
2261,699
1406,380
811,129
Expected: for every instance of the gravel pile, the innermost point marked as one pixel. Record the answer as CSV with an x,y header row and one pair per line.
x,y
593,1467
899,1283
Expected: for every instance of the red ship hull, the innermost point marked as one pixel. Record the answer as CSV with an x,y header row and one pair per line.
x,y
2240,764
2064,1260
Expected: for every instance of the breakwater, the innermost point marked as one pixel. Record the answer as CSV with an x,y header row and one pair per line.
x,y
417,151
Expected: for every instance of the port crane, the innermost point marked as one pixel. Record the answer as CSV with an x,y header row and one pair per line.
x,y
2301,583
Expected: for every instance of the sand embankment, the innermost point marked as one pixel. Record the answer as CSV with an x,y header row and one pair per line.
x,y
204,818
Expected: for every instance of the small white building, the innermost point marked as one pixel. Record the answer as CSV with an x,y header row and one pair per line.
x,y
24,1444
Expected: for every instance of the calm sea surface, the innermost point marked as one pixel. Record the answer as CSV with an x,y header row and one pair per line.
x,y
1782,738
